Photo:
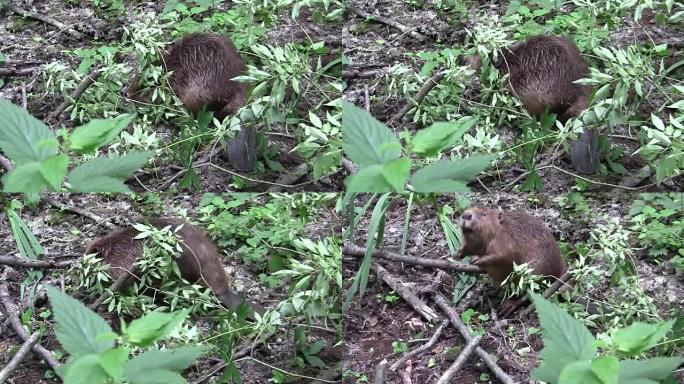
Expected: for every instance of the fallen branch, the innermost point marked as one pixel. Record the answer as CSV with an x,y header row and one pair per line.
x,y
422,92
19,356
45,19
462,358
81,212
456,322
549,291
422,348
12,312
85,83
391,23
402,290
6,72
355,251
120,281
27,263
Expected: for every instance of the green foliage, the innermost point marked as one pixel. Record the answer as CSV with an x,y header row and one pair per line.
x,y
570,351
95,359
658,221
377,151
522,279
41,164
308,350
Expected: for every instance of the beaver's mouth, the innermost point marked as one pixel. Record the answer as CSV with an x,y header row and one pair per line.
x,y
466,227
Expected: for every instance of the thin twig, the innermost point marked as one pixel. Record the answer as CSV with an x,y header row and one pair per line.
x,y
462,358
85,83
6,72
422,92
549,291
383,20
355,251
12,312
44,19
433,340
120,281
19,356
27,263
456,322
405,293
80,211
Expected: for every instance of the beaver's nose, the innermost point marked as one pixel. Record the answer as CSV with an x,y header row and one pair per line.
x,y
467,215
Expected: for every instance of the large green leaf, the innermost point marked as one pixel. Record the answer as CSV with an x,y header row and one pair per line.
x,y
158,376
449,175
85,370
101,174
640,337
172,360
430,141
366,140
143,332
566,340
649,371
97,132
24,178
368,179
23,138
396,172
113,361
53,169
76,326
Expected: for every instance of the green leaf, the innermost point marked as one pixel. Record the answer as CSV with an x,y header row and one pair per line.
x,y
366,140
143,332
77,327
85,370
23,138
649,371
25,177
449,175
432,140
396,172
158,376
606,369
640,337
172,360
53,169
578,372
566,340
368,179
112,362
97,132
101,174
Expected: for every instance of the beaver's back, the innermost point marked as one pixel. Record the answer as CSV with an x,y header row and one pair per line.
x,y
199,261
541,73
203,65
534,243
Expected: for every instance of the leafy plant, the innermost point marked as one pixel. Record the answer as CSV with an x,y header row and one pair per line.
x,y
571,354
42,163
377,151
98,355
658,220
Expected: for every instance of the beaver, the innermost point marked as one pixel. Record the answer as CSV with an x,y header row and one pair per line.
x,y
496,239
199,261
541,73
202,66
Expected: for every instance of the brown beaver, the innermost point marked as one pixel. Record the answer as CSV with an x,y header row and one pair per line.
x,y
199,262
203,65
541,73
496,239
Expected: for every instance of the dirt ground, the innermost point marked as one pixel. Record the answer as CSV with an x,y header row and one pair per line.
x,y
29,44
373,323
373,47
65,235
